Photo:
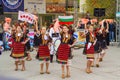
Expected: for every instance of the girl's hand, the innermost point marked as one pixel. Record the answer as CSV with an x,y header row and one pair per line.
x,y
23,43
70,45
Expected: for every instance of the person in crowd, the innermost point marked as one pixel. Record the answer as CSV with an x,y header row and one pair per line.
x,y
6,32
97,46
106,27
54,34
1,47
111,31
81,25
1,30
1,38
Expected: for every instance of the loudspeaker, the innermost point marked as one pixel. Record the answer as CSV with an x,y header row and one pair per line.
x,y
1,9
98,12
102,12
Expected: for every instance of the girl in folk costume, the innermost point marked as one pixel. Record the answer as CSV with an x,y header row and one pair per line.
x,y
54,34
27,45
43,53
103,32
63,53
18,48
97,46
36,36
90,41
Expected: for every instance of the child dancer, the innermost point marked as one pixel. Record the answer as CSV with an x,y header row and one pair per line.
x,y
43,52
97,46
63,53
27,45
90,38
18,48
103,43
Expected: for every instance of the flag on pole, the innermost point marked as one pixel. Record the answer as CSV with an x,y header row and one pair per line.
x,y
66,20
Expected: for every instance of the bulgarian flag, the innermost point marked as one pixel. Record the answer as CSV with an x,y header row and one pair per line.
x,y
68,20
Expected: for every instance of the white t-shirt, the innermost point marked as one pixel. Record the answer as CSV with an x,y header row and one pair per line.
x,y
51,32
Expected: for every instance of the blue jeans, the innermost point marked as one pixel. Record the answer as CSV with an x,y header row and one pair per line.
x,y
111,36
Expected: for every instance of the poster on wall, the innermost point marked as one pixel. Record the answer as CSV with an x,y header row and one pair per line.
x,y
13,5
55,6
38,6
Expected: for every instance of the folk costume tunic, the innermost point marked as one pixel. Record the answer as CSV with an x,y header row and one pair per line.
x,y
89,45
43,50
101,41
64,51
98,47
27,45
18,49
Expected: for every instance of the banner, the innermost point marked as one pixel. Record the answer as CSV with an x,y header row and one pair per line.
x,y
38,6
13,5
27,17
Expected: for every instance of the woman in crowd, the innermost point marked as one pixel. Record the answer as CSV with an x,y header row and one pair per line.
x,y
63,53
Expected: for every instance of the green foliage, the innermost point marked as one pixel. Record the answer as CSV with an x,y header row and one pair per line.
x,y
109,5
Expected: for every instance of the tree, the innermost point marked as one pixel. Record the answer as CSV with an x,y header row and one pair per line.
x,y
109,5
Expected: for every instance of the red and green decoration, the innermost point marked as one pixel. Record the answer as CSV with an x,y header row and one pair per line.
x,y
66,20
